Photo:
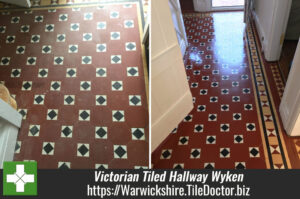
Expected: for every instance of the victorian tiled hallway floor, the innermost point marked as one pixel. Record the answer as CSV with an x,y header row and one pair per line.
x,y
235,121
77,75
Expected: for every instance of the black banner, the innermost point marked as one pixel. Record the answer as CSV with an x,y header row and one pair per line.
x,y
165,183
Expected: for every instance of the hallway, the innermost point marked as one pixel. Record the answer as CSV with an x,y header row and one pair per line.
x,y
234,123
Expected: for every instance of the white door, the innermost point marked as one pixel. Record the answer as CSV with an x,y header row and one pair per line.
x,y
290,103
171,98
178,24
23,3
10,122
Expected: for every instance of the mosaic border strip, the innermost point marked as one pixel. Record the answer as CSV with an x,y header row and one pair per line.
x,y
273,134
280,85
278,79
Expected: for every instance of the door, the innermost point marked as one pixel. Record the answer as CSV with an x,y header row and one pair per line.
x,y
171,98
178,24
10,122
290,103
23,3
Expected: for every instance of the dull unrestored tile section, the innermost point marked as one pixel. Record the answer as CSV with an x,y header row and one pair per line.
x,y
77,75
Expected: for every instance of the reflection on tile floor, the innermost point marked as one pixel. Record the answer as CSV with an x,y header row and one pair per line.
x,y
77,75
233,124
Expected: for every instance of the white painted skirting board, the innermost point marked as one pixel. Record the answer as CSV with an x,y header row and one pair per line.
x,y
10,122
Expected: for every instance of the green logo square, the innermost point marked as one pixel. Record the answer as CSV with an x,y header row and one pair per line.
x,y
20,178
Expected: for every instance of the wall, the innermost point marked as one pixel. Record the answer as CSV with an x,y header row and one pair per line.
x,y
271,17
293,29
171,98
263,13
187,5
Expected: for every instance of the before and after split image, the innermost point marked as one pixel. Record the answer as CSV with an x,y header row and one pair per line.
x,y
150,84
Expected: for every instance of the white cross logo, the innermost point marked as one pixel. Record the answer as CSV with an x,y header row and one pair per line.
x,y
20,178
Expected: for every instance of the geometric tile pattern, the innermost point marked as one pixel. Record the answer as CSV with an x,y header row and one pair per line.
x,y
275,82
278,79
278,158
88,16
73,116
223,130
279,82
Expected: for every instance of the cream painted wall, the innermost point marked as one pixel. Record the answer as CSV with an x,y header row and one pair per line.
x,y
24,3
264,13
271,17
171,98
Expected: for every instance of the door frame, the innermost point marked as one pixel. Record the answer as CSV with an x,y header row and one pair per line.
x,y
290,114
272,43
183,44
279,27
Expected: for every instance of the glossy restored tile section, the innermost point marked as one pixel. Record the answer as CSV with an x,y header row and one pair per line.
x,y
77,75
287,148
223,129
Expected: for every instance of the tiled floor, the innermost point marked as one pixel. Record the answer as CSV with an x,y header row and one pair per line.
x,y
234,123
38,3
77,76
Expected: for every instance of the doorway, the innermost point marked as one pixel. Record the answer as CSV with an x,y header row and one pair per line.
x,y
228,3
290,42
